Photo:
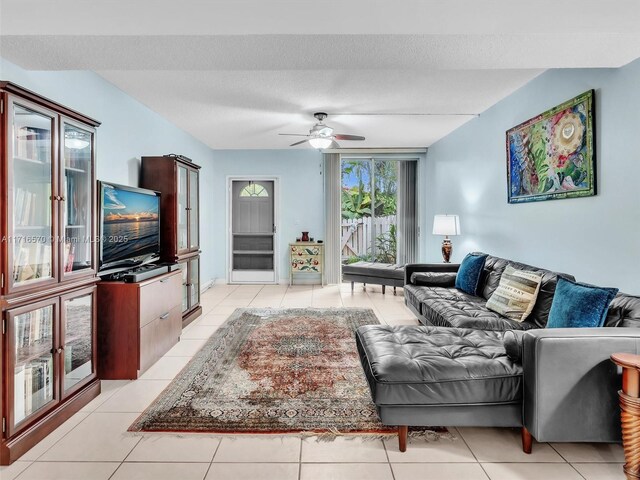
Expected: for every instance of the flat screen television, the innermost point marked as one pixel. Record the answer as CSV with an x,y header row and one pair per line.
x,y
129,226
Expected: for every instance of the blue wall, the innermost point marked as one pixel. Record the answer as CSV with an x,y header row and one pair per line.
x,y
300,206
129,130
596,238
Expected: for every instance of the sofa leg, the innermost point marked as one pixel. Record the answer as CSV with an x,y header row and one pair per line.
x,y
383,289
364,286
352,285
394,290
527,440
403,431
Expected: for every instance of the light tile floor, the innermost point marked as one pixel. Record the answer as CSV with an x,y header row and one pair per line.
x,y
94,443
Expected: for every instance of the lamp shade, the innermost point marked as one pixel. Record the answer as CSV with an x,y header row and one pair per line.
x,y
446,225
320,142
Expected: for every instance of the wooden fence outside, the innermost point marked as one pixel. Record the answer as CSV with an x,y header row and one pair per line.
x,y
356,234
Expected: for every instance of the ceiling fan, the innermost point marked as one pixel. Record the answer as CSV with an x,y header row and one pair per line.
x,y
321,135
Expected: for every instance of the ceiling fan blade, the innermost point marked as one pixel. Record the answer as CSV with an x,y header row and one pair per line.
x,y
298,143
294,134
340,136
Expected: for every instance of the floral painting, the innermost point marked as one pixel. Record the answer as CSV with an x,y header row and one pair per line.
x,y
552,156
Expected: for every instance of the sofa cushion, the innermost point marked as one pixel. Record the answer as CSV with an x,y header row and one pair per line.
x,y
493,269
414,365
433,279
578,305
414,295
516,294
624,311
470,273
448,307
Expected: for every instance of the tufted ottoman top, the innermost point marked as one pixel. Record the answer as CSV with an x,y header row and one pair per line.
x,y
374,269
417,365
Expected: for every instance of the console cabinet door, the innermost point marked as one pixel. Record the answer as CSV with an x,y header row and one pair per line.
x,y
32,361
184,271
32,196
78,324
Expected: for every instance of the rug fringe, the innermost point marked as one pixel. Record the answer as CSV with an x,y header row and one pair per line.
x,y
325,436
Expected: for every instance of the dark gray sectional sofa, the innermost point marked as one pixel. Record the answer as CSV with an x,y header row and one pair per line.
x,y
557,384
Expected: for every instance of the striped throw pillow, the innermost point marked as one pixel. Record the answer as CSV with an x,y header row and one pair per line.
x,y
516,294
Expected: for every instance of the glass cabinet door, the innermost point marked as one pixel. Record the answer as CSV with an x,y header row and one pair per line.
x,y
32,360
182,209
194,240
76,205
77,325
31,200
184,268
194,282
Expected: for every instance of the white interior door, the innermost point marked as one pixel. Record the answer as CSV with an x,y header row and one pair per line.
x,y
253,228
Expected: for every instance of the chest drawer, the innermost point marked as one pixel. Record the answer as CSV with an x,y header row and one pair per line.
x,y
160,297
311,250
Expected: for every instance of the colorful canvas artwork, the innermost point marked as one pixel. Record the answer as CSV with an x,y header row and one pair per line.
x,y
552,156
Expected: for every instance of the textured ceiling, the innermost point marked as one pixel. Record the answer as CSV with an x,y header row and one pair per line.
x,y
236,73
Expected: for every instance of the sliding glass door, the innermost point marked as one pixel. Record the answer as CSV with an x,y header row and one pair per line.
x,y
369,228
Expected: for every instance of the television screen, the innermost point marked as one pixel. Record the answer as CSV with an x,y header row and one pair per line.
x,y
130,231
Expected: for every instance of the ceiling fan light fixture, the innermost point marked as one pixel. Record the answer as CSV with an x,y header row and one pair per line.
x,y
320,142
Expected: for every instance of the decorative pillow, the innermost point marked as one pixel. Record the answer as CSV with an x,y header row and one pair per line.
x,y
516,294
470,272
434,279
579,305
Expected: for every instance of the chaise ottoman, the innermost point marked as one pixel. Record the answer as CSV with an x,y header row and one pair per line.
x,y
375,273
438,376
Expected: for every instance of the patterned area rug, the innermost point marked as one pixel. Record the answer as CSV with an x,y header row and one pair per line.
x,y
273,371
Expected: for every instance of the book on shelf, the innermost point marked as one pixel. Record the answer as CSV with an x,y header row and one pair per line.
x,y
25,205
69,254
31,261
32,327
19,394
33,144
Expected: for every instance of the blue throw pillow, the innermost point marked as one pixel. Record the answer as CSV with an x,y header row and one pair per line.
x,y
469,273
579,305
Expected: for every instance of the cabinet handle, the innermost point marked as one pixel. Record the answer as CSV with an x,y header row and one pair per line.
x,y
164,280
162,317
62,199
57,350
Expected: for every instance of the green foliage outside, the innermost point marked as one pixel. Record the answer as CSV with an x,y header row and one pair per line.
x,y
357,203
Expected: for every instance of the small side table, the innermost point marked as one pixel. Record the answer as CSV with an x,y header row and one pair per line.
x,y
306,265
630,411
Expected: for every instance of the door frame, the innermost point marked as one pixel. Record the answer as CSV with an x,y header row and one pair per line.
x,y
276,219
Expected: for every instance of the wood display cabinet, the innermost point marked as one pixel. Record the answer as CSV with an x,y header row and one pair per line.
x,y
47,266
178,181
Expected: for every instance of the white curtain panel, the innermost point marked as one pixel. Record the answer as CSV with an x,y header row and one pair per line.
x,y
333,218
407,228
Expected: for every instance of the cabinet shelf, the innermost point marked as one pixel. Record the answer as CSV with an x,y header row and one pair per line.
x,y
265,234
31,161
253,252
32,227
74,169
